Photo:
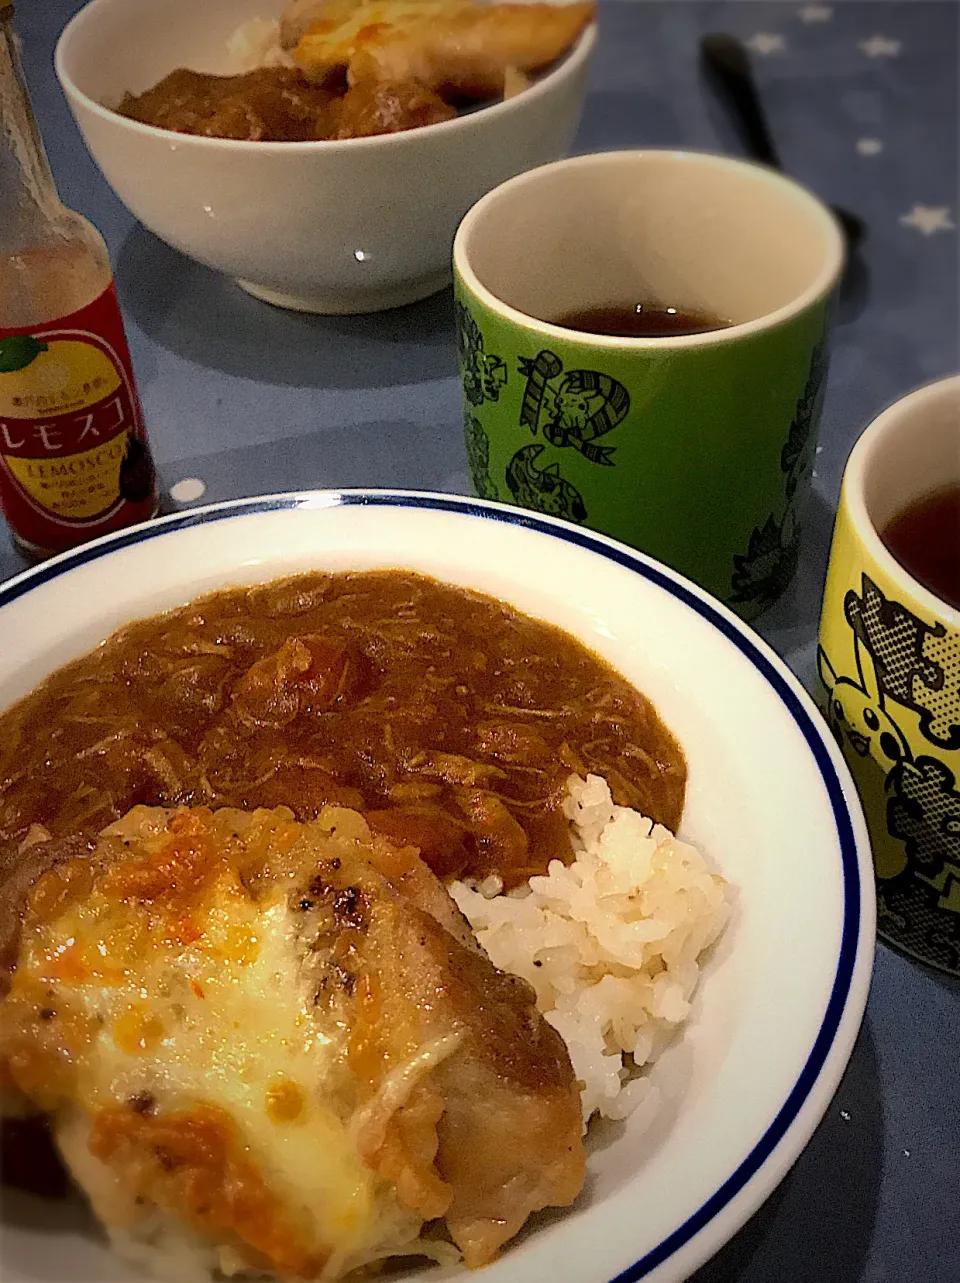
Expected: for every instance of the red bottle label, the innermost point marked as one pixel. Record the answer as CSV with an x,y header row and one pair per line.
x,y
74,459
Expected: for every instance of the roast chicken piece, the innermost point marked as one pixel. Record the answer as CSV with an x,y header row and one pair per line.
x,y
458,49
300,15
283,1039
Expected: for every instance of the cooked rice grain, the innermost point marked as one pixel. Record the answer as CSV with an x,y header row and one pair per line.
x,y
610,943
256,43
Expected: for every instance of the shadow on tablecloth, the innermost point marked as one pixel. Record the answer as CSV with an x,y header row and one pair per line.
x,y
817,1226
208,319
791,624
396,456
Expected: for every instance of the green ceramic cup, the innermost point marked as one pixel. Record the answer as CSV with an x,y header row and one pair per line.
x,y
696,449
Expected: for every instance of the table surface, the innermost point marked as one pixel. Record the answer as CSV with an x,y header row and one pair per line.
x,y
247,399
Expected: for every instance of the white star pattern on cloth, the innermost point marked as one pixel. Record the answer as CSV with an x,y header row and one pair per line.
x,y
928,219
816,13
869,146
881,47
766,42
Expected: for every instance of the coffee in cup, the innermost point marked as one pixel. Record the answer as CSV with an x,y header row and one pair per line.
x,y
889,662
688,428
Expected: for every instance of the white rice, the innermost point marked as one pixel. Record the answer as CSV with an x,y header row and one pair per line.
x,y
610,943
256,43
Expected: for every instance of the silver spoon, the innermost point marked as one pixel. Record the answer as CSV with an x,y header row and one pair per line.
x,y
725,60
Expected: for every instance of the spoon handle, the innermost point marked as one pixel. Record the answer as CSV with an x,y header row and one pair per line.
x,y
725,59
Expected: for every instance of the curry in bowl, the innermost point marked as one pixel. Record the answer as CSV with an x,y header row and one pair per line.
x,y
333,909
336,69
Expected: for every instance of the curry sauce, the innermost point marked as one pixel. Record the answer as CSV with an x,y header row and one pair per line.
x,y
269,104
448,719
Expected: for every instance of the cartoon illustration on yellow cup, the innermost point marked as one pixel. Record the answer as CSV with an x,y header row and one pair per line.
x,y
892,684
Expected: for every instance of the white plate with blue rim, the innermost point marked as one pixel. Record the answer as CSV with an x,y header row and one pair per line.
x,y
769,800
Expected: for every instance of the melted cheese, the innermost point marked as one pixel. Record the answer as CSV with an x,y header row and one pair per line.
x,y
334,41
207,1009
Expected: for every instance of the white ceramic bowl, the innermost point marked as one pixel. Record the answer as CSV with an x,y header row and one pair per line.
x,y
769,799
350,226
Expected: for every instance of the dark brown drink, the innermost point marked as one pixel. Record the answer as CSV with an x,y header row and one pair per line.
x,y
640,321
925,539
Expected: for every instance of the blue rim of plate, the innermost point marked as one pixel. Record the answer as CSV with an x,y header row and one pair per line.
x,y
622,556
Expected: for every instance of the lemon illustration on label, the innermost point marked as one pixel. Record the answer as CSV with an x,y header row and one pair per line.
x,y
19,350
52,376
65,424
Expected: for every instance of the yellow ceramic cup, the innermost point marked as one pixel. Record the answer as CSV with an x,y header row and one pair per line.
x,y
889,664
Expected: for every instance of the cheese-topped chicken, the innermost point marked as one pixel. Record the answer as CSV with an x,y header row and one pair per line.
x,y
281,1043
456,47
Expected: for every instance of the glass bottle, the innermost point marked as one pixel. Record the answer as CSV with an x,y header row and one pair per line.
x,y
74,458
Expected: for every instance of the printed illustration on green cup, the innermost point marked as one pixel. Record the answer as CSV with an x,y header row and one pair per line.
x,y
543,489
483,375
700,456
770,562
478,456
572,408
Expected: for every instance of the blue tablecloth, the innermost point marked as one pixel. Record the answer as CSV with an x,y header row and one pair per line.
x,y
243,399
